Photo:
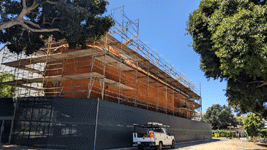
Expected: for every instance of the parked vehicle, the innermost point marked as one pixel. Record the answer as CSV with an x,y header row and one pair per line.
x,y
156,136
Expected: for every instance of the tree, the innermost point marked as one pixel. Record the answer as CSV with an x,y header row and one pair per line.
x,y
253,124
6,90
239,121
24,24
219,116
231,38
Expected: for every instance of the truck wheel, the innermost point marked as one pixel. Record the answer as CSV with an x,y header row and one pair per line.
x,y
173,144
159,147
140,147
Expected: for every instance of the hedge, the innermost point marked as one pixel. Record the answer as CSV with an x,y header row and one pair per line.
x,y
224,133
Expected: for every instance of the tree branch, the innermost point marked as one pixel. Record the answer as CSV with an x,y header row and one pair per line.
x,y
24,4
31,23
37,30
53,3
20,21
34,5
26,10
8,24
48,22
251,82
14,22
262,84
23,12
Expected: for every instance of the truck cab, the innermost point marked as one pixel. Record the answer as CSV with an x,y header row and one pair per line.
x,y
156,136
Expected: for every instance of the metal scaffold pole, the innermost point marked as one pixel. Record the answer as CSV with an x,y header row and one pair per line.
x,y
157,97
200,101
104,69
166,99
119,98
91,81
15,99
136,84
147,87
62,73
96,121
173,104
74,81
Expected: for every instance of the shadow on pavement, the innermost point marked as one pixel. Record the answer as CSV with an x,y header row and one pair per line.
x,y
262,144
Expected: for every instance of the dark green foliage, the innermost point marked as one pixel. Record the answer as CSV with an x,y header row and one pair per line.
x,y
231,38
73,20
253,124
263,133
6,90
219,117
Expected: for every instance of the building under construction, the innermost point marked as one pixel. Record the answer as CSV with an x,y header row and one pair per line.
x,y
118,68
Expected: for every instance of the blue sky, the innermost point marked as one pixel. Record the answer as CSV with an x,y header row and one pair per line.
x,y
163,23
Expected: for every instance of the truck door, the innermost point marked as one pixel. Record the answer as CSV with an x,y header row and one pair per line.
x,y
167,137
159,133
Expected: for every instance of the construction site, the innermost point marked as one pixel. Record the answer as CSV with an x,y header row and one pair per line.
x,y
126,71
118,68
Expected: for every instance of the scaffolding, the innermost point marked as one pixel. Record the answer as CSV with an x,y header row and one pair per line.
x,y
126,72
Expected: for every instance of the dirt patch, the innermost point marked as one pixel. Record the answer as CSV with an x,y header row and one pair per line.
x,y
248,145
223,144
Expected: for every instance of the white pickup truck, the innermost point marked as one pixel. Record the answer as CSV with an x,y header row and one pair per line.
x,y
156,136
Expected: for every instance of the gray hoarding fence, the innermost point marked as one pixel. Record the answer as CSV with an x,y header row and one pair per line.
x,y
80,123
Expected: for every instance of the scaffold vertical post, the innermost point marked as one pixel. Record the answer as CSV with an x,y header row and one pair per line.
x,y
15,99
173,104
136,82
92,79
147,87
200,100
104,68
166,98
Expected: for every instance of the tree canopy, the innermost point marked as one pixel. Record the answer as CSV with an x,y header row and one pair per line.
x,y
231,38
219,117
253,124
25,23
6,90
239,121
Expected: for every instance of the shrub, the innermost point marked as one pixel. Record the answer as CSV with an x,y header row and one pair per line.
x,y
223,133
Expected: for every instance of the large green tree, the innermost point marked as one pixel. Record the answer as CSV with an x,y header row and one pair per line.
x,y
6,90
25,23
239,121
231,38
252,124
219,117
